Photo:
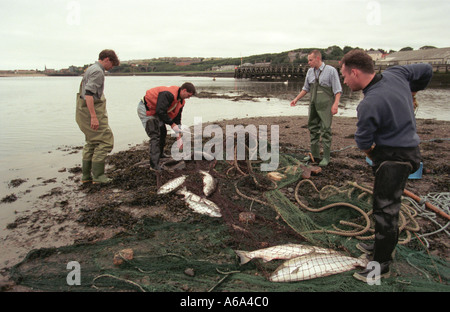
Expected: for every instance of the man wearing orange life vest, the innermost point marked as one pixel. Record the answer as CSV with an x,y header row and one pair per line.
x,y
163,106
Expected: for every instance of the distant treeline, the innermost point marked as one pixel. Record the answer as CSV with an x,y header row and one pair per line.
x,y
300,57
168,65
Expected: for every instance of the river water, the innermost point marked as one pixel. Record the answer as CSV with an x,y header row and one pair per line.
x,y
38,129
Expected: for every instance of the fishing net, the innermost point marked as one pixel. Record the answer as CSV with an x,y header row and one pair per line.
x,y
178,250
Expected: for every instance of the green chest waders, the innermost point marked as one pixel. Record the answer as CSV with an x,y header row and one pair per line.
x,y
98,143
319,121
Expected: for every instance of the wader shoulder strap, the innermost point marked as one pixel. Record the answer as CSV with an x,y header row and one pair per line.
x,y
317,77
175,106
145,103
79,89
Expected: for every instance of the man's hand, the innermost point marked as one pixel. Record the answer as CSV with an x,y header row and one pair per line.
x,y
90,106
94,123
414,100
368,152
180,142
175,128
334,109
335,106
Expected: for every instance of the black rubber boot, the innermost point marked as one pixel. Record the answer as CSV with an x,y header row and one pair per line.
x,y
390,181
365,248
154,132
370,275
368,250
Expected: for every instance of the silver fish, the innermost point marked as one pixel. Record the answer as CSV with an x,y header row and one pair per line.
x,y
199,204
209,183
287,251
315,265
172,185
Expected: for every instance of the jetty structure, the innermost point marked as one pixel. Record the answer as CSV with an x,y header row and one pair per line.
x,y
439,58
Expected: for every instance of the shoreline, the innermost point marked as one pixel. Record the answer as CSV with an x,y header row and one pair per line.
x,y
54,220
184,74
439,79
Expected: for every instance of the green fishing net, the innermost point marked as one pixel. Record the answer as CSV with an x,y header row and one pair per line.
x,y
195,253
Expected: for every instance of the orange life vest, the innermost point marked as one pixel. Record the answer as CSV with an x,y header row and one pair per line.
x,y
151,97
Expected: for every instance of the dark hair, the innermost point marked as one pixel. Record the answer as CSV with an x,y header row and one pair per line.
x,y
111,55
189,87
358,59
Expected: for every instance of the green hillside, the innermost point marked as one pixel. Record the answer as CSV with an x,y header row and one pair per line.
x,y
162,65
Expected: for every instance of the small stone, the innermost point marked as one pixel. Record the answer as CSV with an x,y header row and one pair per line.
x,y
247,217
124,254
189,272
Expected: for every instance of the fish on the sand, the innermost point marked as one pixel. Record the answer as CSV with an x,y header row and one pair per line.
x,y
199,204
287,251
172,185
315,265
209,183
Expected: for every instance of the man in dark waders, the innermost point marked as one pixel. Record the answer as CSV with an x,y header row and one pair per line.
x,y
322,81
92,118
386,132
159,107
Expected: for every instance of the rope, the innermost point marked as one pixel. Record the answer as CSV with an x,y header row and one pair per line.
x,y
440,200
327,191
117,278
343,233
223,278
407,222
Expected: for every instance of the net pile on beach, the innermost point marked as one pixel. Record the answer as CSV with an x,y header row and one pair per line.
x,y
182,250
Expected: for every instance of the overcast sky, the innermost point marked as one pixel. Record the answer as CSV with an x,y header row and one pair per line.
x,y
60,33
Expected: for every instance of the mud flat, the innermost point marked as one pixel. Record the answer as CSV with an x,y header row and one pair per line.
x,y
70,213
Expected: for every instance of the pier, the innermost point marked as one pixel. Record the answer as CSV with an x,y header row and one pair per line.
x,y
283,72
280,72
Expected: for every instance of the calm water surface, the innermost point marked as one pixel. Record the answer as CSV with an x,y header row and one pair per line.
x,y
38,129
38,113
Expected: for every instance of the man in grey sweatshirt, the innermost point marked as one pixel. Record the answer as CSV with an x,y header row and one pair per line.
x,y
386,132
92,118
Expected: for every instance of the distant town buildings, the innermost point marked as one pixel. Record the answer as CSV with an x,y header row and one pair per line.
x,y
438,56
223,68
292,55
19,72
376,55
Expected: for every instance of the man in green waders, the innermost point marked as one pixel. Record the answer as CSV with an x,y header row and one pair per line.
x,y
322,81
92,118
